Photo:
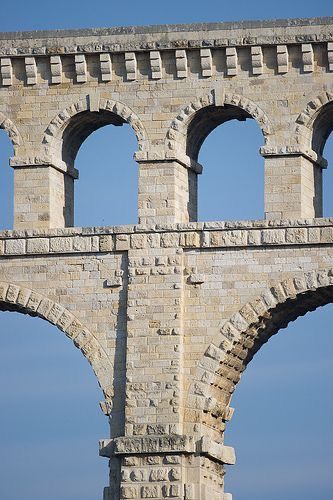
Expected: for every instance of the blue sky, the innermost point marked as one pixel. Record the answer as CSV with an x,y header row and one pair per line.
x,y
50,421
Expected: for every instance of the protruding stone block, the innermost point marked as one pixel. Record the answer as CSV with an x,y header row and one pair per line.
x,y
307,57
131,65
282,58
232,61
330,55
106,67
181,63
6,71
30,70
257,60
155,64
56,69
81,68
206,62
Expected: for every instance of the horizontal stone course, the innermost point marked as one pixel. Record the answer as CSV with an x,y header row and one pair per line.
x,y
194,235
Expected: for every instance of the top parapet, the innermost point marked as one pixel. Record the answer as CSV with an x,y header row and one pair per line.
x,y
118,39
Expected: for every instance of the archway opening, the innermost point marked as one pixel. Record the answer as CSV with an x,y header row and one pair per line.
x,y
322,144
50,420
328,178
6,183
107,190
226,141
100,145
282,426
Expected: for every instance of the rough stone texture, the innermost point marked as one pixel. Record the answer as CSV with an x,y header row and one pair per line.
x,y
170,311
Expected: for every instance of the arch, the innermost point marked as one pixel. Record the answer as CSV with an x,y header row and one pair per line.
x,y
12,131
27,301
220,369
195,121
314,124
66,132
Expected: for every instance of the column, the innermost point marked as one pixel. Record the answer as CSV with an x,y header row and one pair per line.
x,y
43,196
167,192
293,187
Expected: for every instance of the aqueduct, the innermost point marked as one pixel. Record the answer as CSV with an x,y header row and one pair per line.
x,y
169,311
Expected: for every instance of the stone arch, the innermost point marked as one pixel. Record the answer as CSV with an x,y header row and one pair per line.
x,y
27,301
240,337
195,121
12,131
315,123
66,132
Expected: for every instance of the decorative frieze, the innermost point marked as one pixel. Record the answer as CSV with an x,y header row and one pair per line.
x,y
206,61
282,58
81,68
181,63
154,63
232,61
56,69
257,60
30,70
131,66
307,57
6,71
106,67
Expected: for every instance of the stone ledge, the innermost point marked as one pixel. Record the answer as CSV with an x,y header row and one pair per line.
x,y
173,443
129,38
184,236
167,444
166,228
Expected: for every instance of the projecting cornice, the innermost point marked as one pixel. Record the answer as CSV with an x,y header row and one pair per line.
x,y
163,37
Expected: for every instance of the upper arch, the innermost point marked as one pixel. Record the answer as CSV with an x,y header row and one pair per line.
x,y
315,122
223,362
27,301
12,131
64,135
195,121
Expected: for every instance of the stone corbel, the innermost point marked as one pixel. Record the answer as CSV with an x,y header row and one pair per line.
x,y
168,156
40,161
291,150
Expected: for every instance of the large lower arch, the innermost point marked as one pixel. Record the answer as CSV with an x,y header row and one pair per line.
x,y
240,337
27,301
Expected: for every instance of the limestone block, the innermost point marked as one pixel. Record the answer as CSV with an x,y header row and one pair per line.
x,y
206,61
181,63
330,55
307,57
232,61
131,65
38,245
106,67
15,247
155,64
81,68
30,70
56,69
257,60
6,71
282,58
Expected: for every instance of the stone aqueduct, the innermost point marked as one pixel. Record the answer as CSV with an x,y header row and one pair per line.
x,y
170,311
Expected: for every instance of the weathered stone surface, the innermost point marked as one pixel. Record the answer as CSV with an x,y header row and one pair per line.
x,y
169,311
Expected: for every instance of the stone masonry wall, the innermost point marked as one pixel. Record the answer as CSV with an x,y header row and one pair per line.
x,y
168,312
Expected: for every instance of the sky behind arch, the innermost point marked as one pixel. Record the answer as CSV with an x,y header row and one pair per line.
x,y
283,416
